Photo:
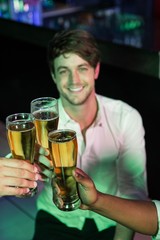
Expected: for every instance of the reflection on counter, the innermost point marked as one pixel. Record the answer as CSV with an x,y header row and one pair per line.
x,y
118,21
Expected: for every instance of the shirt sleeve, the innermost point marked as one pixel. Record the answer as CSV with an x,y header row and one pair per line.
x,y
131,164
157,204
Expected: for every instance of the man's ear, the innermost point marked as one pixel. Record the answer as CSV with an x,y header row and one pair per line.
x,y
53,77
97,69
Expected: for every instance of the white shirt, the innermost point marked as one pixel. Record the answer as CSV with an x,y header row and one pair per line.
x,y
114,157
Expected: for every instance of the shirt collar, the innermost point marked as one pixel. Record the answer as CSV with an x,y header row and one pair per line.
x,y
66,118
62,113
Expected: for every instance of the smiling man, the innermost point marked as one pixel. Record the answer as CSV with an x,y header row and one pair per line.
x,y
75,81
111,145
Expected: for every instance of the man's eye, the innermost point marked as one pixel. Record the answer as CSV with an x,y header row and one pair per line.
x,y
83,69
62,72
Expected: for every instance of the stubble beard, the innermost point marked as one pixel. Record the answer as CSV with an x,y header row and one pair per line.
x,y
76,100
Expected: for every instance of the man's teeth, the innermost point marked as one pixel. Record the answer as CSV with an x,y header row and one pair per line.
x,y
76,89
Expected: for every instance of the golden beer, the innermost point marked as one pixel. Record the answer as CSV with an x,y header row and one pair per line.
x,y
45,122
46,116
63,151
21,135
21,139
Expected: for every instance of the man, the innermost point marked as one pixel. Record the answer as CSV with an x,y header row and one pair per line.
x,y
142,216
111,146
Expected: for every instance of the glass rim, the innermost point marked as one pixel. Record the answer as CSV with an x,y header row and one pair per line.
x,y
19,114
62,130
12,118
43,98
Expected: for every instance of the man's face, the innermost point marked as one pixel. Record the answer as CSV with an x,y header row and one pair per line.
x,y
75,78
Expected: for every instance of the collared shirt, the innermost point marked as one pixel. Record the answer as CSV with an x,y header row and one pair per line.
x,y
157,204
113,156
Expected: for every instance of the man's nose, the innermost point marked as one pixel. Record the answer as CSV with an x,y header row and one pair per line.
x,y
75,78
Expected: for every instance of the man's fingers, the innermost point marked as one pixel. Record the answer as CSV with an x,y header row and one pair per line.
x,y
45,161
13,191
15,163
82,178
18,173
43,151
80,175
17,182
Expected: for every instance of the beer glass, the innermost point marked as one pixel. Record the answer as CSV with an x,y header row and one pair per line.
x,y
21,136
45,113
63,149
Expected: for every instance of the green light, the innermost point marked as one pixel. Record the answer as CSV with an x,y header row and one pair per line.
x,y
130,22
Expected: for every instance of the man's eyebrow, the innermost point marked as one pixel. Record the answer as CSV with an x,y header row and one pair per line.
x,y
83,65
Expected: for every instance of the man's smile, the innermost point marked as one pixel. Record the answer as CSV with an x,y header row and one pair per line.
x,y
75,88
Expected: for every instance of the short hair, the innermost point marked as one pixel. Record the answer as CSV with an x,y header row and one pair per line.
x,y
75,41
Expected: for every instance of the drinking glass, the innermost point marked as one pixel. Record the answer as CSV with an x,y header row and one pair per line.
x,y
21,136
63,149
45,113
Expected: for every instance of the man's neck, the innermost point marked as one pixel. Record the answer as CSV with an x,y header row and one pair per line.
x,y
84,114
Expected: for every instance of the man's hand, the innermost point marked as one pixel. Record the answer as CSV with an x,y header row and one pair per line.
x,y
17,176
86,188
43,163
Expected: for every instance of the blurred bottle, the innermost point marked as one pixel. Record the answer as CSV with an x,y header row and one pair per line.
x,y
4,9
27,11
48,4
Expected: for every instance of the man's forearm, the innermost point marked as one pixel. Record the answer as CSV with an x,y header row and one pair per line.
x,y
141,216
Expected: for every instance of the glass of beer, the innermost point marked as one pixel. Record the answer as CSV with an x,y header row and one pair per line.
x,y
46,117
63,149
45,113
21,136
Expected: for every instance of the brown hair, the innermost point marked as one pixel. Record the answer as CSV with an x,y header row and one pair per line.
x,y
76,41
